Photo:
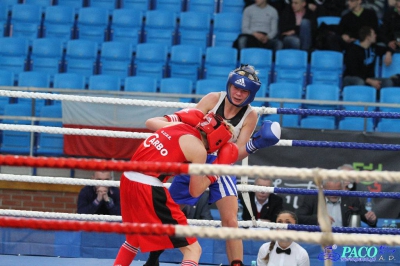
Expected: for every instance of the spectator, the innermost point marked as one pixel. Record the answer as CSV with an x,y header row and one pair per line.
x,y
283,252
259,27
391,27
360,60
297,26
350,25
339,208
377,5
277,4
265,206
200,211
332,8
99,199
347,185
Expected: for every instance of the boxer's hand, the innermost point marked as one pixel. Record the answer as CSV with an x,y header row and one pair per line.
x,y
190,116
268,135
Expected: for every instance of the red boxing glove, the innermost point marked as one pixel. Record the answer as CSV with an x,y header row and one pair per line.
x,y
227,154
190,116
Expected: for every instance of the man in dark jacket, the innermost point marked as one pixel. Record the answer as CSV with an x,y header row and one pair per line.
x,y
265,206
339,209
391,27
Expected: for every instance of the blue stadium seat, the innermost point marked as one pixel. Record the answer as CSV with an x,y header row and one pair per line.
x,y
318,122
140,5
356,124
116,59
177,86
194,29
322,92
6,79
14,54
37,80
186,62
328,20
69,81
359,93
261,93
46,56
205,6
50,144
205,86
393,68
231,6
261,59
285,91
326,67
110,5
4,30
160,27
26,21
141,84
16,142
81,57
227,27
105,83
151,60
175,6
59,22
9,3
291,66
92,24
390,95
42,3
219,61
388,125
126,26
76,4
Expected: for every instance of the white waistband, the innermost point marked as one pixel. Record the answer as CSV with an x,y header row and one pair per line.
x,y
144,179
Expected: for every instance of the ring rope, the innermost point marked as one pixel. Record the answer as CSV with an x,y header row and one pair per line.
x,y
200,169
201,231
259,110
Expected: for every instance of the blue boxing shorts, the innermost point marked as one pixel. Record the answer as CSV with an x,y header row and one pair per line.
x,y
225,186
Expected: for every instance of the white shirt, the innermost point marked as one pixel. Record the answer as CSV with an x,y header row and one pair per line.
x,y
258,204
335,211
297,257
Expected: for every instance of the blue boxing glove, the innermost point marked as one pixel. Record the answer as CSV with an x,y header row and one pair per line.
x,y
268,135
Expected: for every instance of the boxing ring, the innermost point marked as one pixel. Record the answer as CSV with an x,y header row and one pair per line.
x,y
323,235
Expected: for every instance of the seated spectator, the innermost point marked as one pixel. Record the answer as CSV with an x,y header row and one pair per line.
x,y
377,5
339,208
259,27
297,26
347,185
265,206
334,8
279,5
200,211
99,199
391,27
360,59
283,252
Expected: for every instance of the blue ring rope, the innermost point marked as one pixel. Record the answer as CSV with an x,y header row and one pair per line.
x,y
337,229
345,145
338,113
344,193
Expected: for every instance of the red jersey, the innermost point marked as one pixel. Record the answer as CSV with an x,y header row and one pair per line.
x,y
163,146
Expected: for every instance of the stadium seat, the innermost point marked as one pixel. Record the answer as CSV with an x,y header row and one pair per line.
x,y
318,122
42,3
50,144
177,86
291,66
46,56
227,27
76,4
359,93
151,60
141,84
186,62
126,26
59,22
356,124
231,6
219,62
26,21
110,5
388,125
393,68
9,3
140,5
16,142
261,59
175,6
160,27
326,67
105,83
36,80
194,29
285,91
14,54
69,81
4,30
322,92
92,24
205,86
81,57
204,6
116,59
328,20
6,79
261,93
390,95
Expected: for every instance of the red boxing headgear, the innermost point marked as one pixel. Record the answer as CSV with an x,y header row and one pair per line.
x,y
217,131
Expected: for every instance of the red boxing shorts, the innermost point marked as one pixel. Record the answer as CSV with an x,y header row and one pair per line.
x,y
144,199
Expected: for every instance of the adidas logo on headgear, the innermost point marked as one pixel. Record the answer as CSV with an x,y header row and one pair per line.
x,y
240,82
